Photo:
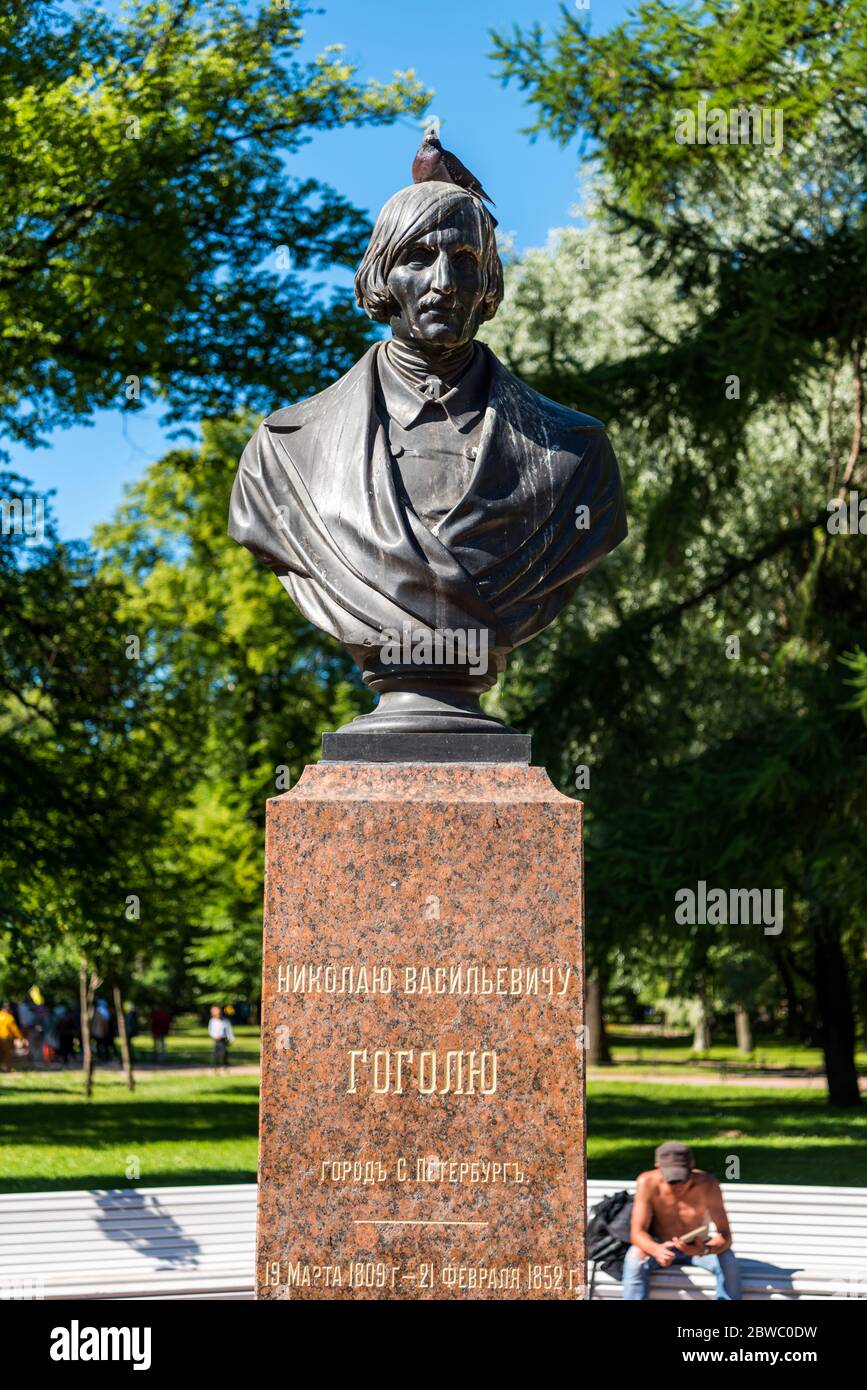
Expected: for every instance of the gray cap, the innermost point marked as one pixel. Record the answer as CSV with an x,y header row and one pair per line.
x,y
675,1161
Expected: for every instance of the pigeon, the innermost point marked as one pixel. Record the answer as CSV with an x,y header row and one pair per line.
x,y
433,164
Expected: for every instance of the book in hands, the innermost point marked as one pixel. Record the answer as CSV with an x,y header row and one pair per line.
x,y
699,1235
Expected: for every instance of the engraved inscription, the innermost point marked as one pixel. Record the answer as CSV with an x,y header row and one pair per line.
x,y
381,1274
462,979
387,1072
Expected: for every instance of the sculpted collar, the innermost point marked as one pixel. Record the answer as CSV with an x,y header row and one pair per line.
x,y
465,402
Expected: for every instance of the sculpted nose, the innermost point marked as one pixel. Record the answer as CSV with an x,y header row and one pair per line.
x,y
443,278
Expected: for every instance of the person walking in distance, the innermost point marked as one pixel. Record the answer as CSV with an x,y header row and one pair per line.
x,y
9,1032
220,1030
161,1022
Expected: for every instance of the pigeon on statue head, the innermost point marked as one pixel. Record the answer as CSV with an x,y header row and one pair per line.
x,y
433,164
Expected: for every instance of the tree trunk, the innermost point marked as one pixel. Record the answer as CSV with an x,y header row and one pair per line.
x,y
861,995
125,1052
598,1051
743,1031
834,998
797,1025
701,1032
86,990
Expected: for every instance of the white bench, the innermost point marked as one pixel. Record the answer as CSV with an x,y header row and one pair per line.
x,y
199,1243
154,1242
791,1243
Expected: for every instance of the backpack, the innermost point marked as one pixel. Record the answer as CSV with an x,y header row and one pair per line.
x,y
608,1234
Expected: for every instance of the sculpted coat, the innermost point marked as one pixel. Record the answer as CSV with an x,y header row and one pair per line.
x,y
315,499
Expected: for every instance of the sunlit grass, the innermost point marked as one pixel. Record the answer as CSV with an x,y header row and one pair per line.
x,y
177,1130
202,1129
778,1136
634,1047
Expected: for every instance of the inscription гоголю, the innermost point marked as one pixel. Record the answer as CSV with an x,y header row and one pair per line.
x,y
387,1072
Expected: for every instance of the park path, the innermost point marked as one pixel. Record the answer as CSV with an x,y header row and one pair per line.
x,y
772,1082
141,1072
698,1078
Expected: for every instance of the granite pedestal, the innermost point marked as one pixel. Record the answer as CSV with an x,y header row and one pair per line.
x,y
422,1119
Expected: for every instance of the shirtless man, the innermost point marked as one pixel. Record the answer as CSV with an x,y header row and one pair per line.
x,y
671,1201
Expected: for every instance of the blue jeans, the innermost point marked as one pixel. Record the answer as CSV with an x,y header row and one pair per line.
x,y
637,1270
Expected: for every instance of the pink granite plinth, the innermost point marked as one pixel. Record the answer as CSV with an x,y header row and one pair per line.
x,y
422,1119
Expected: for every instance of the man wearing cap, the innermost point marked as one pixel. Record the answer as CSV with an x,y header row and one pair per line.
x,y
674,1199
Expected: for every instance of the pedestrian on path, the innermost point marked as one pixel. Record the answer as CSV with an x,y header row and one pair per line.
x,y
161,1022
220,1030
9,1032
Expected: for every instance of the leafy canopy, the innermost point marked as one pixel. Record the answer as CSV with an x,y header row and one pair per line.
x,y
150,226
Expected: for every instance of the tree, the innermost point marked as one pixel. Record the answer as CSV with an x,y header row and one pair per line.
x,y
153,240
757,763
84,775
767,246
244,686
703,759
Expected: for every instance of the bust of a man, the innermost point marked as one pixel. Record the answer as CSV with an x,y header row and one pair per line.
x,y
429,510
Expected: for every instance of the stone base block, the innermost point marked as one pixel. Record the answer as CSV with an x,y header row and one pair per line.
x,y
422,1119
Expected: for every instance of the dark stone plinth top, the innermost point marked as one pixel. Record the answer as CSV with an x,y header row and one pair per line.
x,y
369,746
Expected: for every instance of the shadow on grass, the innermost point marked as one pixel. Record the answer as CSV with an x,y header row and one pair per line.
x,y
777,1138
131,1121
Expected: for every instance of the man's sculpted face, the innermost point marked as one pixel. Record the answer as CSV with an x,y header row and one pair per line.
x,y
439,287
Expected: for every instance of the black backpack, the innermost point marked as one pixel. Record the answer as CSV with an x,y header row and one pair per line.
x,y
608,1234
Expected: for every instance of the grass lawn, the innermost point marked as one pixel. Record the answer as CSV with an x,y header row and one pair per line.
x,y
188,1044
180,1130
780,1136
635,1047
199,1129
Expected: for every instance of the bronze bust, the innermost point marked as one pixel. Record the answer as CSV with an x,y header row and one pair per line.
x,y
429,510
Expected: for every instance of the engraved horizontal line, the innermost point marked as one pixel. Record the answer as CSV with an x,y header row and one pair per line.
x,y
421,1223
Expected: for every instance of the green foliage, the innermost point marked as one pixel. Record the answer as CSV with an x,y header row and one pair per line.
x,y
244,686
856,662
83,774
146,206
151,229
770,250
622,88
702,266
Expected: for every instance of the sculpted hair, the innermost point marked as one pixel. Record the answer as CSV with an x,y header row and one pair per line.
x,y
412,213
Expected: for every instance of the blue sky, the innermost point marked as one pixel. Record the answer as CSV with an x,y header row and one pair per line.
x,y
535,185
